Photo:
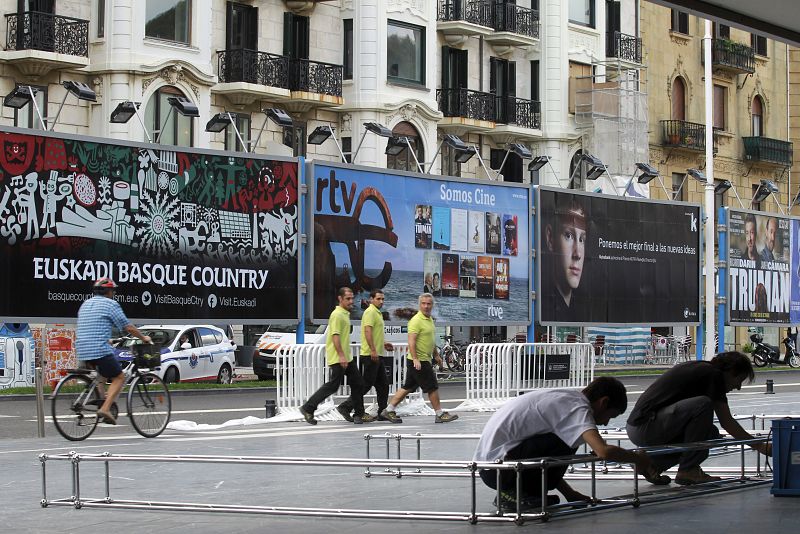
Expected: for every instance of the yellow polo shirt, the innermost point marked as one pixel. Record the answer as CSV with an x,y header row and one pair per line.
x,y
424,328
372,317
338,323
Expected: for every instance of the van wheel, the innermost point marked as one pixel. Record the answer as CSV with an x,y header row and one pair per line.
x,y
171,376
225,375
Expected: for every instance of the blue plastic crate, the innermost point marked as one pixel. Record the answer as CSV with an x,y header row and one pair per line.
x,y
786,457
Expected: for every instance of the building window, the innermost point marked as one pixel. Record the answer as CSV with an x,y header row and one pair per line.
x,y
511,170
347,149
719,198
678,188
759,44
25,117
535,80
577,172
582,12
680,22
721,31
406,53
755,205
232,142
168,20
404,161
347,61
678,99
101,18
178,130
294,136
719,106
450,167
758,116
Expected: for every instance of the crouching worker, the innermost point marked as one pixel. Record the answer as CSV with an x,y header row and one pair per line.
x,y
552,423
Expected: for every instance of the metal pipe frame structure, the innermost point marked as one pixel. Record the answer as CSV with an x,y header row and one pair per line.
x,y
637,498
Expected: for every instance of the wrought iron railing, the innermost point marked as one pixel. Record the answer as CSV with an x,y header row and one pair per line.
x,y
685,134
519,111
727,53
766,149
474,11
252,66
467,104
33,30
624,46
515,19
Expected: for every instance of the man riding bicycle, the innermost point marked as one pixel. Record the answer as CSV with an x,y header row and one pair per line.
x,y
96,318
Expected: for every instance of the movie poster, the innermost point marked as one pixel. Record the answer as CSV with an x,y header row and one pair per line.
x,y
441,228
450,275
467,277
423,231
493,239
458,230
759,268
509,234
432,273
501,278
485,277
477,231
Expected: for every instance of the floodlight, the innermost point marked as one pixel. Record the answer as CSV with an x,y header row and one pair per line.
x,y
593,161
463,156
538,162
19,96
378,129
219,122
770,186
396,145
124,111
697,174
279,117
454,142
722,186
184,106
648,172
594,173
463,152
520,150
319,135
80,90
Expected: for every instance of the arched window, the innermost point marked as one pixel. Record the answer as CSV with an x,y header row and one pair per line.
x,y
678,99
758,116
178,130
404,161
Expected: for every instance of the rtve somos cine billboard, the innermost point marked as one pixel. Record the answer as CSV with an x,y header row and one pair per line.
x,y
187,234
466,242
611,260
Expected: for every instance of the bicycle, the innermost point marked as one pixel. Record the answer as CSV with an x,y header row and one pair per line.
x,y
77,397
451,355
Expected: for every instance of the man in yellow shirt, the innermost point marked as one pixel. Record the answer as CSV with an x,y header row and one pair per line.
x,y
419,369
373,348
340,362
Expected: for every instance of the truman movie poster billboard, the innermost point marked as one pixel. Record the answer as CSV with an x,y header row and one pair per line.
x,y
466,242
759,263
187,235
607,260
794,306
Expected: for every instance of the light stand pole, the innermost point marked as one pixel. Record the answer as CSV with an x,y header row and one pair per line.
x,y
709,199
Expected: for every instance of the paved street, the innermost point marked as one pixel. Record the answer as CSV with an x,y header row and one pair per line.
x,y
322,486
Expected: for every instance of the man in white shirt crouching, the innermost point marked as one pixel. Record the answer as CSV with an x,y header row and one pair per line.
x,y
552,423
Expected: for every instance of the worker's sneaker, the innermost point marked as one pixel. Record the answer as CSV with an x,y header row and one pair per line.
x,y
508,502
308,416
366,418
694,476
654,476
445,417
345,413
389,416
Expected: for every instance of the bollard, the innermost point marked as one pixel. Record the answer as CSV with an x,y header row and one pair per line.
x,y
269,408
770,387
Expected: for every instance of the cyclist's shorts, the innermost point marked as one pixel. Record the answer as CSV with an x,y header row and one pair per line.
x,y
107,366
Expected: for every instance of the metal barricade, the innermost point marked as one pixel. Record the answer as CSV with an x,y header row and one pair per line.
x,y
497,372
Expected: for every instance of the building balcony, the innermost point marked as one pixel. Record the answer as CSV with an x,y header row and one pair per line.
x,y
517,118
465,110
686,135
37,43
299,84
514,25
731,56
458,20
764,149
624,47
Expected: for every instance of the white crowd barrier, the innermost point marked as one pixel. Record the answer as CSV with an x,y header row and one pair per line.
x,y
302,369
497,372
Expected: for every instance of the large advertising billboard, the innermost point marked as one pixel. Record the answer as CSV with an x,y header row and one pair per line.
x,y
609,260
794,305
188,235
760,268
466,242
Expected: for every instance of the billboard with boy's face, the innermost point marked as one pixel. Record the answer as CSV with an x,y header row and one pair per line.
x,y
408,234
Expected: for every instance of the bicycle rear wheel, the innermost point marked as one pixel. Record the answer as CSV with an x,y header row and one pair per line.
x,y
149,405
74,407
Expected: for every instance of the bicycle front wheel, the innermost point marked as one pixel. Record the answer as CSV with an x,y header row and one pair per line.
x,y
149,405
74,404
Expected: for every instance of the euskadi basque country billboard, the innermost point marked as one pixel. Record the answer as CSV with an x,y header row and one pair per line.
x,y
466,242
608,260
187,234
762,269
